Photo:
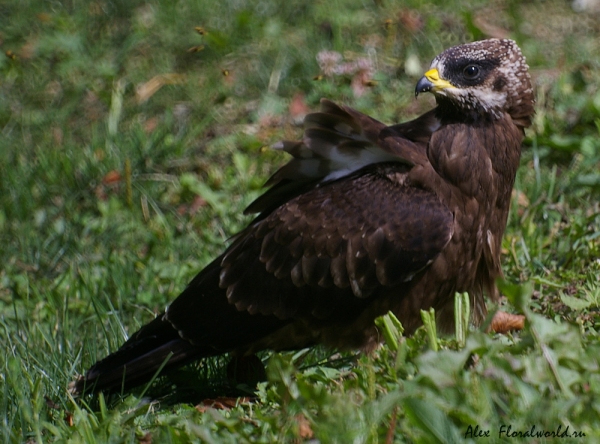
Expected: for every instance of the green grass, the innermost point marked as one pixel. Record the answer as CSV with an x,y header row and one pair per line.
x,y
86,260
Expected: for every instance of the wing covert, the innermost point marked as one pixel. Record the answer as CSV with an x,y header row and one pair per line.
x,y
345,238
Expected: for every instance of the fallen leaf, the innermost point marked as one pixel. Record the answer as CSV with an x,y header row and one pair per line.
x,y
198,203
146,90
522,199
150,124
44,17
389,437
304,429
221,403
197,48
411,21
298,108
505,322
111,177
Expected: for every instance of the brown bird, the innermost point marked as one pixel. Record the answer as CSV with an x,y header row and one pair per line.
x,y
364,219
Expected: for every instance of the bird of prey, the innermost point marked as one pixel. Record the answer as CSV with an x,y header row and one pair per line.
x,y
365,218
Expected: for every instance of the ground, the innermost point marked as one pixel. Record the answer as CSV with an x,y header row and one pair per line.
x,y
134,133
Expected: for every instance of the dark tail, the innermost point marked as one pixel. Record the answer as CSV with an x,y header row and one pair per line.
x,y
202,315
155,345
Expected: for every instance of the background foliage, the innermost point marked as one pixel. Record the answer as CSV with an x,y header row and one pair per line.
x,y
133,134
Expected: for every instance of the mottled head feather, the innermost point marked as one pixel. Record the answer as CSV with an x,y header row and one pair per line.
x,y
504,84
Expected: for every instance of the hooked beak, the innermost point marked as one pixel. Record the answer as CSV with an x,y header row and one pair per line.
x,y
431,82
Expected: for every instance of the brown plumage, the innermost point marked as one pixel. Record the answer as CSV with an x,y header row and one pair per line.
x,y
364,219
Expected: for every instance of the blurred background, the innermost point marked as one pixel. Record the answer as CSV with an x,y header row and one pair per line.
x,y
133,134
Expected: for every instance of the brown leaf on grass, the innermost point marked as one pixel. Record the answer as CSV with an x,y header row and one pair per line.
x,y
304,429
522,201
150,124
298,108
110,183
54,406
93,107
146,90
28,50
192,208
146,439
26,267
197,48
44,17
411,21
505,322
197,203
391,432
221,403
111,178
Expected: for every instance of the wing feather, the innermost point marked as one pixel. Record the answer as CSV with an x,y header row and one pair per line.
x,y
337,142
354,235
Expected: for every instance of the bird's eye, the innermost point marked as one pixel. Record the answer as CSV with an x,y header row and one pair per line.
x,y
471,72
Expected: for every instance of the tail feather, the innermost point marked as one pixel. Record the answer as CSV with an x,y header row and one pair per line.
x,y
212,327
157,344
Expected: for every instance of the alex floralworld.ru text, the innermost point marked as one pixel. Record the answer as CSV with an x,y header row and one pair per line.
x,y
506,431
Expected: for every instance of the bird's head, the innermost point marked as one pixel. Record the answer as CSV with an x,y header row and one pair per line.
x,y
488,77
